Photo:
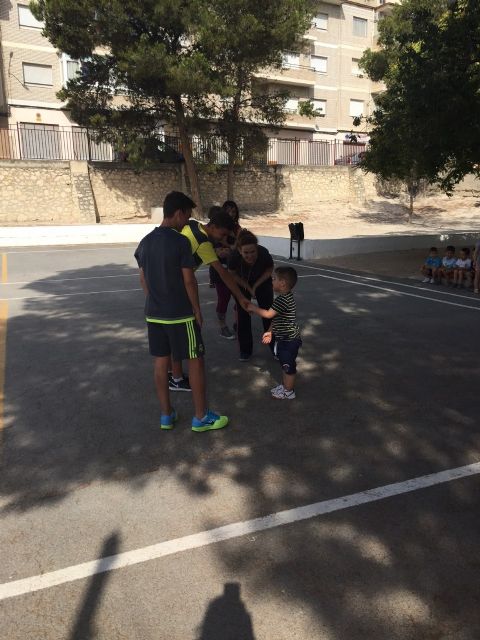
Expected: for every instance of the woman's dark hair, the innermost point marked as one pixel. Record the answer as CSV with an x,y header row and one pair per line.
x,y
246,237
231,204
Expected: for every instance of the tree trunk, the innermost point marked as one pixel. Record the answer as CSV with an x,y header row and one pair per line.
x,y
188,155
410,210
234,141
230,175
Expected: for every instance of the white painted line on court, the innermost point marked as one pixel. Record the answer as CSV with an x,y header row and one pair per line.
x,y
74,249
372,279
398,293
227,532
120,275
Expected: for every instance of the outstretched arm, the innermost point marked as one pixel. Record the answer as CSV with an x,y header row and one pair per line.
x,y
229,282
263,313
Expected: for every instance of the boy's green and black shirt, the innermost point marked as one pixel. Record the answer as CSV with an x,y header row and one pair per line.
x,y
284,324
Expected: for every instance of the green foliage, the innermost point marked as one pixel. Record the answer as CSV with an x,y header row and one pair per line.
x,y
425,124
307,108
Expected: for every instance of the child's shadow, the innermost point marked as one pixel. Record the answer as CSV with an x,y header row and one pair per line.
x,y
227,618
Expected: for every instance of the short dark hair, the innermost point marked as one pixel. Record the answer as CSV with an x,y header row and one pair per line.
x,y
288,275
434,249
176,200
450,247
220,218
466,250
246,237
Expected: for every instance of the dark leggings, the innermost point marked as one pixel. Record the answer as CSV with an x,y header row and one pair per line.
x,y
223,297
264,295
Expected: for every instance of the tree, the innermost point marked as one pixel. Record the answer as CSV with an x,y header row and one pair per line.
x,y
425,124
243,37
142,66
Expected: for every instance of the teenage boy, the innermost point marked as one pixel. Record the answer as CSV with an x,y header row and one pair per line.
x,y
172,310
201,237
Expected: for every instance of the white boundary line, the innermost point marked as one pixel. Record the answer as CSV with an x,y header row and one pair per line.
x,y
371,278
122,275
399,293
227,532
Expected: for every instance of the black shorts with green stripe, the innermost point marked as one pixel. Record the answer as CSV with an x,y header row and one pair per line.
x,y
180,339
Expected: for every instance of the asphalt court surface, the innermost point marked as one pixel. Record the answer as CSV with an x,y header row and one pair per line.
x,y
388,392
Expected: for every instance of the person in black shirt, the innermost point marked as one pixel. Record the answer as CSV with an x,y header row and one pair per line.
x,y
172,310
252,266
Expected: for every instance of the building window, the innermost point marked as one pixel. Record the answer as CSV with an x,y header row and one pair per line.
x,y
291,60
70,68
37,74
27,19
291,105
319,63
320,105
360,27
320,21
356,71
356,108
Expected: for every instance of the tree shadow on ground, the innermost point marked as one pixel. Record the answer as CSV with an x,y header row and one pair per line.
x,y
385,394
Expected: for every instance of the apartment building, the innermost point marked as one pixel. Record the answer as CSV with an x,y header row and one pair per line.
x,y
326,70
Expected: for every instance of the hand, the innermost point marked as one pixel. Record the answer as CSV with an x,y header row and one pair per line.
x,y
267,337
244,303
250,308
199,318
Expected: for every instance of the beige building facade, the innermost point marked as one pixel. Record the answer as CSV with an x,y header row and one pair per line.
x,y
326,71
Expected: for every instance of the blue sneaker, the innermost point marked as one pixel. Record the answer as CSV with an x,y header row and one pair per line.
x,y
210,422
168,422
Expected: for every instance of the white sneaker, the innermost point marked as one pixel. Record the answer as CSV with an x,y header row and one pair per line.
x,y
426,280
283,394
432,280
279,387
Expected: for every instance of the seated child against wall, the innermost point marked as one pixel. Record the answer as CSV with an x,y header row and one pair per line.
x,y
463,267
448,265
431,266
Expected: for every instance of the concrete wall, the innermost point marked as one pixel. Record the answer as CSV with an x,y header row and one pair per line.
x,y
42,192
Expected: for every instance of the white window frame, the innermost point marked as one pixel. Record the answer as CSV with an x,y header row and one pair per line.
x,y
357,20
320,21
29,20
65,59
356,71
320,105
31,66
355,111
291,106
291,60
314,58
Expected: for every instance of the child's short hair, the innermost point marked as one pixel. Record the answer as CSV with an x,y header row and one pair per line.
x,y
466,250
433,249
288,275
450,248
220,218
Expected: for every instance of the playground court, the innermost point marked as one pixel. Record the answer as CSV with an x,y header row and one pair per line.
x,y
360,543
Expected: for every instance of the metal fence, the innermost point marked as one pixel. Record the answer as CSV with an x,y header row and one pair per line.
x,y
51,142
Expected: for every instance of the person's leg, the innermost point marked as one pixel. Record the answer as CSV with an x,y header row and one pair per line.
x,y
196,367
264,295
287,351
476,282
223,298
161,384
244,332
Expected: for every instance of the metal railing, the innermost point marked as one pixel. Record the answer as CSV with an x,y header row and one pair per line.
x,y
50,142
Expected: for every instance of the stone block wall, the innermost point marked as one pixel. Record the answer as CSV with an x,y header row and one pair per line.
x,y
39,192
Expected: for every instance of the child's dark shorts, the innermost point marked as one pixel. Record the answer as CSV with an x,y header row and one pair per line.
x,y
182,340
287,351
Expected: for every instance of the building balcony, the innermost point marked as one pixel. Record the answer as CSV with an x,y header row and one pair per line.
x,y
294,75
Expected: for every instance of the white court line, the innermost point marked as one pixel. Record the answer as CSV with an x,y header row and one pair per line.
x,y
124,275
399,293
74,249
229,531
80,293
398,284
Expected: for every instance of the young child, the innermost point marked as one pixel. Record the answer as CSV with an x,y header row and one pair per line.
x,y
284,329
462,269
432,264
448,264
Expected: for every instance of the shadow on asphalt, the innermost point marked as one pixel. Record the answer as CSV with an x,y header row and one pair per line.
x,y
385,393
227,618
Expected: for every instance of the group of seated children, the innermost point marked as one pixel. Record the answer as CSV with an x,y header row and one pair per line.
x,y
456,271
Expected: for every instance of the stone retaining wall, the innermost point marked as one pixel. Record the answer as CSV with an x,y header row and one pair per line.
x,y
43,192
